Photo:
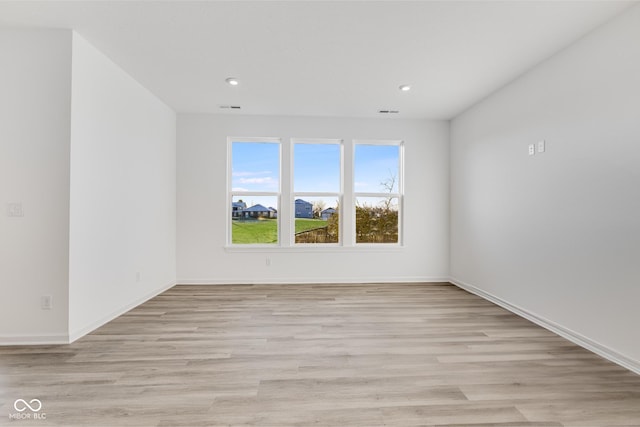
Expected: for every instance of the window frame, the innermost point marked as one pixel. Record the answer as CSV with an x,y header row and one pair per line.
x,y
231,193
399,194
298,195
286,196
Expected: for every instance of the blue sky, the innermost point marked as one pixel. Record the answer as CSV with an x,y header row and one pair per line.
x,y
316,168
373,165
255,167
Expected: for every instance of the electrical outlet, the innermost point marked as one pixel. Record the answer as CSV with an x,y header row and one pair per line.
x,y
267,262
532,149
46,302
138,276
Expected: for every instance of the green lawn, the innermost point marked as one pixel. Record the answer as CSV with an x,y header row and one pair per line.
x,y
251,232
309,224
266,230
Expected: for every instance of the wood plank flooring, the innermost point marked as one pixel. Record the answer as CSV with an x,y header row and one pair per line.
x,y
329,355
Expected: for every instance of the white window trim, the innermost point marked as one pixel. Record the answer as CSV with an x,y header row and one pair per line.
x,y
347,197
399,195
328,247
295,195
231,194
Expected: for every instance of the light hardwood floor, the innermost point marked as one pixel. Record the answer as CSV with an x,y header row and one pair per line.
x,y
331,355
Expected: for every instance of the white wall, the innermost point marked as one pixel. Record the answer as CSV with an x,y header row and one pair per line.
x,y
202,212
122,192
557,234
35,91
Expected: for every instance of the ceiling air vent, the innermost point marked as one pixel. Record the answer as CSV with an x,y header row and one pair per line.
x,y
230,107
388,111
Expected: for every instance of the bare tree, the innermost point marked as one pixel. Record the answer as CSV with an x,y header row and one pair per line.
x,y
318,207
388,185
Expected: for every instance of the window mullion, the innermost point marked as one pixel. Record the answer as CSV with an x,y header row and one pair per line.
x,y
347,209
286,188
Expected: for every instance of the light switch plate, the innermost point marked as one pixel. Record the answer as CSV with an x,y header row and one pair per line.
x,y
14,209
541,146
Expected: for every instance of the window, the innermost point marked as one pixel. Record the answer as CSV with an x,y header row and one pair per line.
x,y
377,191
317,191
314,193
255,191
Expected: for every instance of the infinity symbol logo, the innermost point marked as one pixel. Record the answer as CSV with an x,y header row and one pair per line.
x,y
37,405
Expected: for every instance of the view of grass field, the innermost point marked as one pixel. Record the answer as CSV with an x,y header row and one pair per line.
x,y
266,230
303,224
254,231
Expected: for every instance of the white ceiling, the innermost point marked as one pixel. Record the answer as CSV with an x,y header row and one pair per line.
x,y
330,58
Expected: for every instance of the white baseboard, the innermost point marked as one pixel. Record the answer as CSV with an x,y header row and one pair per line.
x,y
574,337
79,333
312,280
42,339
57,339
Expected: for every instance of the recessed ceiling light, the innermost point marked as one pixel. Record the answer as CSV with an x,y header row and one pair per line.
x,y
232,81
405,88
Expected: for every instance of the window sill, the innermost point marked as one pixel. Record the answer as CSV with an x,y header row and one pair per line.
x,y
313,249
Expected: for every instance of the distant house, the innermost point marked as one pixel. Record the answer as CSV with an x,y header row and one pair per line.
x,y
304,209
326,214
237,208
273,213
257,211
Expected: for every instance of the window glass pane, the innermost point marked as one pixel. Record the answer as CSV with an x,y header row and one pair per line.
x,y
316,168
376,168
255,166
316,219
376,220
254,219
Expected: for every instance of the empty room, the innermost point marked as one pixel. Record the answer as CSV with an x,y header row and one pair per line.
x,y
333,213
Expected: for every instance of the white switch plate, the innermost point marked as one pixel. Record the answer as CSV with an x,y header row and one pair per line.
x,y
532,149
541,146
14,209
